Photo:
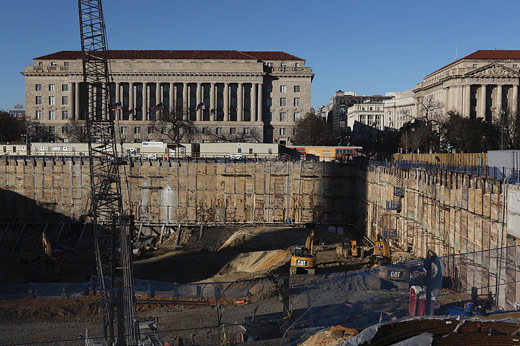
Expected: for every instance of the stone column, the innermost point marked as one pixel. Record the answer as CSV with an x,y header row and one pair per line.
x,y
185,107
467,101
145,102
447,99
482,106
226,101
240,106
212,108
131,106
158,94
253,102
259,115
117,90
514,103
198,98
75,114
498,106
170,95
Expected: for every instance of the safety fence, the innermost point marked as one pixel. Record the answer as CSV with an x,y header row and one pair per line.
x,y
450,159
292,308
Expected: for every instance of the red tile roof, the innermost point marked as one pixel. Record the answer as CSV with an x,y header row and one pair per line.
x,y
487,54
272,56
176,54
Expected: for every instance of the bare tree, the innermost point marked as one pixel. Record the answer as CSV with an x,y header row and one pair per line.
x,y
175,125
250,135
430,111
508,121
313,130
77,131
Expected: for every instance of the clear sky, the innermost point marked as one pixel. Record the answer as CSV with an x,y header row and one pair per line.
x,y
370,47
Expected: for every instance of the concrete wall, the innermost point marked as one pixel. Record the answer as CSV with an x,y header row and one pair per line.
x,y
450,213
189,192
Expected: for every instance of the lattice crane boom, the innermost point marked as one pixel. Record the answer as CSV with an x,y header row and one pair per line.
x,y
112,227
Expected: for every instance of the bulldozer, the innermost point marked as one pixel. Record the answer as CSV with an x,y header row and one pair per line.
x,y
303,259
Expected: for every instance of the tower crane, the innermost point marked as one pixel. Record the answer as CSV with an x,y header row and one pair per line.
x,y
112,227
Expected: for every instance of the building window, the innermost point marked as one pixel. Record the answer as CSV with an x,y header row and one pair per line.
x,y
38,115
52,87
164,130
64,87
247,131
232,131
283,101
268,102
296,88
250,151
66,64
282,132
137,130
151,130
38,100
296,102
52,115
297,64
124,130
239,150
474,65
269,64
40,63
297,116
64,100
205,131
64,115
268,116
52,129
283,116
515,65
52,100
37,87
64,129
283,88
294,131
218,130
54,63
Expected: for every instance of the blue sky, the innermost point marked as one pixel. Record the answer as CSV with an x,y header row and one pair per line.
x,y
370,47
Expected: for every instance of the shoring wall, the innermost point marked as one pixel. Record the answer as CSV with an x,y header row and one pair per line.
x,y
449,213
191,192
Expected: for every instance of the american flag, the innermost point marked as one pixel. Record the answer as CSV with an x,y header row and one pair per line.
x,y
117,106
157,107
200,106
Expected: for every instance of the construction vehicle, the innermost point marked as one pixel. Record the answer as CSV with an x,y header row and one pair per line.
x,y
381,254
303,259
348,249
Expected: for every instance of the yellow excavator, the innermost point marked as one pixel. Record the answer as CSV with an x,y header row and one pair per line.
x,y
303,259
381,254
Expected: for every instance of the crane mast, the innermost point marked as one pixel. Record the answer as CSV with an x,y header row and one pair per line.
x,y
112,227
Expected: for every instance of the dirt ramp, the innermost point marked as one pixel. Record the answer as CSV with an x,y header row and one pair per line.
x,y
256,262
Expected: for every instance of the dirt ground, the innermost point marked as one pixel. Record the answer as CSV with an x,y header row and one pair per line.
x,y
216,254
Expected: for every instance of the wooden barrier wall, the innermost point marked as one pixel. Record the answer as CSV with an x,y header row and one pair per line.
x,y
459,159
193,192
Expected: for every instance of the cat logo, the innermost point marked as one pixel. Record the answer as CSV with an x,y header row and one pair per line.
x,y
301,262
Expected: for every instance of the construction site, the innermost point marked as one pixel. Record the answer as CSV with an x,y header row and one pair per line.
x,y
106,250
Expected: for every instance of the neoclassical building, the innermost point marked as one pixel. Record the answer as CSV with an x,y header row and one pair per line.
x,y
228,95
481,84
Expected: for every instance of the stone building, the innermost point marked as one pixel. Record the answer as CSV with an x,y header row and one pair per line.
x,y
229,95
399,109
482,84
369,113
340,103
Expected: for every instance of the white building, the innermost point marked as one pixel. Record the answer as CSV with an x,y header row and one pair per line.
x,y
400,109
369,113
